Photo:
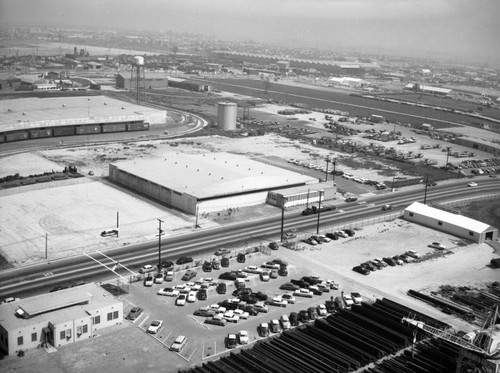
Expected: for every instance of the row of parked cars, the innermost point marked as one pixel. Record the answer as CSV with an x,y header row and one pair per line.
x,y
316,167
318,239
376,184
380,263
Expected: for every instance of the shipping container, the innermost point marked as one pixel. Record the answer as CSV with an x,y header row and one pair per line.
x,y
141,126
2,138
40,132
64,131
17,136
84,130
114,127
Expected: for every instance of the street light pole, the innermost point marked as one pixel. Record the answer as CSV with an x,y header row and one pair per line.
x,y
326,172
425,191
447,155
283,201
159,243
334,162
319,210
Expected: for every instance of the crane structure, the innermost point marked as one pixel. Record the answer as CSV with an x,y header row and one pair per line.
x,y
481,356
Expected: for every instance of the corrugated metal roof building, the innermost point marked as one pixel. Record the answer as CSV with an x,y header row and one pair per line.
x,y
58,318
454,224
205,182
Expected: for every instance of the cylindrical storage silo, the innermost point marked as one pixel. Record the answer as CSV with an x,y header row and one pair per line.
x,y
226,115
139,60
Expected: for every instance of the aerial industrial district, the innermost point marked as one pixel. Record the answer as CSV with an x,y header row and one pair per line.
x,y
287,216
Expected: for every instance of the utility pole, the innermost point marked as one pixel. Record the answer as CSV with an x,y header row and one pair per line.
x,y
319,210
447,155
334,161
307,202
159,243
196,223
425,191
326,172
283,201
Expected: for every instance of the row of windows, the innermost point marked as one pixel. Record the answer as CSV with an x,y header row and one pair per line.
x,y
34,338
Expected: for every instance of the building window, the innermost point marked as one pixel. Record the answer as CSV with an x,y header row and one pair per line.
x,y
115,314
97,320
471,233
411,214
33,337
78,330
20,341
440,223
84,329
62,335
110,316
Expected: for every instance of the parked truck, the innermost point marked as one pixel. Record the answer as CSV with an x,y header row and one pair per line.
x,y
315,210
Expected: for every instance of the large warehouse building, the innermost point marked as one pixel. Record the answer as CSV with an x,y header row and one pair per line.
x,y
454,224
205,182
58,318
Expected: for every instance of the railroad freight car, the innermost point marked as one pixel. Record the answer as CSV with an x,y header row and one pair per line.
x,y
64,131
114,127
138,126
88,129
17,136
40,133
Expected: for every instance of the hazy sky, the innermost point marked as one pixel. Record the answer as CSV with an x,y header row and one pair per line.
x,y
461,28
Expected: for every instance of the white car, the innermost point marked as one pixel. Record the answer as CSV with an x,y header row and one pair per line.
x,y
437,245
357,298
341,234
155,326
324,238
147,268
191,296
303,293
289,298
181,300
243,337
241,314
472,184
178,344
277,301
169,292
322,310
348,300
413,254
253,269
264,276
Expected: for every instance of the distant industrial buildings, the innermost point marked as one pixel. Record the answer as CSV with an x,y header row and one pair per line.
x,y
479,144
454,224
160,80
58,318
208,182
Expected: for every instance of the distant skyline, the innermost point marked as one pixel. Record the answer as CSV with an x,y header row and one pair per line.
x,y
452,29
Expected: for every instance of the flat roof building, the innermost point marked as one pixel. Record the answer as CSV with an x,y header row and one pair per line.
x,y
205,182
448,222
58,318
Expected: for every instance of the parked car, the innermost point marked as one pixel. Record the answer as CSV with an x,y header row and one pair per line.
x,y
437,245
294,318
189,275
472,184
275,326
168,264
181,300
264,329
253,269
216,321
285,322
148,281
169,276
303,316
277,301
231,341
169,292
224,262
351,199
390,261
228,276
321,309
289,286
273,245
204,311
221,288
303,293
178,344
398,260
264,276
341,234
310,241
289,298
147,268
333,236
158,278
349,232
413,254
386,207
216,264
134,313
155,326
357,298
207,267
348,300
241,258
283,271
243,337
184,260
289,236
273,273
191,296
362,270
261,307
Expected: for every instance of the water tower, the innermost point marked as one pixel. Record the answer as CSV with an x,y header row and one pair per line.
x,y
226,115
137,78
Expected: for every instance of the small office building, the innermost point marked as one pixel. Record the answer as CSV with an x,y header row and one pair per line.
x,y
58,318
448,222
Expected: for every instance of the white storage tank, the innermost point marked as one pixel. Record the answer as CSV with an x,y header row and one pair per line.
x,y
226,115
139,61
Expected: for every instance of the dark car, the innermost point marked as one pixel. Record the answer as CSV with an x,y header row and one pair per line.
x,y
349,232
311,280
238,292
207,267
370,266
332,236
184,260
167,264
330,306
189,275
390,261
283,271
273,245
251,310
224,262
300,283
363,270
112,232
231,341
294,318
202,294
228,276
279,261
303,316
351,199
221,288
134,313
241,258
249,298
260,296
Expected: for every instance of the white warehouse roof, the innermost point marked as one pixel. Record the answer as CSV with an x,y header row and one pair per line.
x,y
212,174
448,217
